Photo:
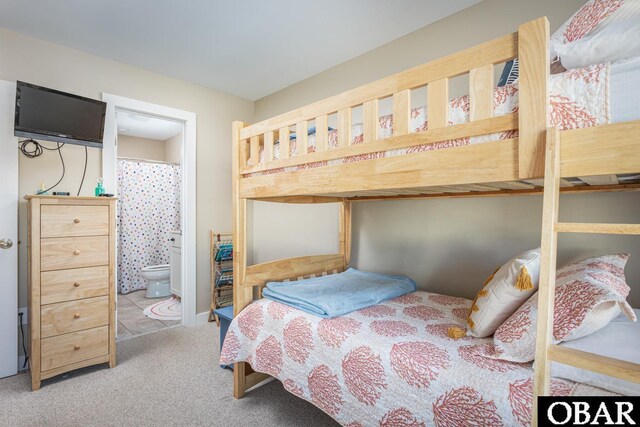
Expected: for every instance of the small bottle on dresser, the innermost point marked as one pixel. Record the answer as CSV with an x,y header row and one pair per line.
x,y
99,188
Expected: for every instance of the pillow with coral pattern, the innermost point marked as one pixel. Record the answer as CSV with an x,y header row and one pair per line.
x,y
589,294
600,31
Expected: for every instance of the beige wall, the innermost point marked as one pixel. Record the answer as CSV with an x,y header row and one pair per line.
x,y
43,63
141,148
173,149
452,245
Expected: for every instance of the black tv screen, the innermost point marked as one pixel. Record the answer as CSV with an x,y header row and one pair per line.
x,y
52,115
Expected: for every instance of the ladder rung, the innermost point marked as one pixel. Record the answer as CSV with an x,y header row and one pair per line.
x,y
575,227
595,363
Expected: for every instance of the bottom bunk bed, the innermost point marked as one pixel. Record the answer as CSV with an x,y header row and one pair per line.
x,y
389,364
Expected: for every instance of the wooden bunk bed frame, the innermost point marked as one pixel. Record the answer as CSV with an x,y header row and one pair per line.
x,y
515,166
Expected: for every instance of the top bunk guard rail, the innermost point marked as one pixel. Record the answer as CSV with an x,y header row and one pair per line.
x,y
523,156
478,57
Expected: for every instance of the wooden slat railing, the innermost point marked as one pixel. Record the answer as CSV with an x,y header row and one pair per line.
x,y
268,146
401,112
301,137
481,93
466,130
437,97
370,112
478,62
322,130
283,137
344,127
492,52
292,268
254,150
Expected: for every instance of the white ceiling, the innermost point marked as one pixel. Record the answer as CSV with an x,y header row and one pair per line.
x,y
143,126
249,48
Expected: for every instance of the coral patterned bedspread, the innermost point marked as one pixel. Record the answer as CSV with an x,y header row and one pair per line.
x,y
577,98
391,364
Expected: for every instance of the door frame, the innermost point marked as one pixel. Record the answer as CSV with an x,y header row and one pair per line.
x,y
187,169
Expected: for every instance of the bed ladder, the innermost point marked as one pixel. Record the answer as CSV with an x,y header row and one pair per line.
x,y
546,351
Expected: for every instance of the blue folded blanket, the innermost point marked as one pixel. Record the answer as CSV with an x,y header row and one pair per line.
x,y
337,294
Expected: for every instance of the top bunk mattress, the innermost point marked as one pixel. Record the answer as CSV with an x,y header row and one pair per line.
x,y
388,364
590,96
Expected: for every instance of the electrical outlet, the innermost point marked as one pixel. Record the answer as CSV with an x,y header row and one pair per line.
x,y
25,316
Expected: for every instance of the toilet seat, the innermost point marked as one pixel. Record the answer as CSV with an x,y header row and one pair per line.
x,y
158,267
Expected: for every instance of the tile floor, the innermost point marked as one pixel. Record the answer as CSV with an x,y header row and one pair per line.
x,y
131,319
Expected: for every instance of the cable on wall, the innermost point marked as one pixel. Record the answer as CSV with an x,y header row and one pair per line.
x,y
84,172
38,150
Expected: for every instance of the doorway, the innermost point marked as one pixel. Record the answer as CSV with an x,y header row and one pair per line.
x,y
149,163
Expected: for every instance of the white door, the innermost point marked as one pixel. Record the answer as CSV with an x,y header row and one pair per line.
x,y
8,233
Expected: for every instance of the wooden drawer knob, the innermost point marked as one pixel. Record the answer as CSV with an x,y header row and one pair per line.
x,y
76,347
76,285
76,316
76,252
76,221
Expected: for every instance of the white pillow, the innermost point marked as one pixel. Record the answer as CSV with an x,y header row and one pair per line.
x,y
620,339
503,293
594,17
619,40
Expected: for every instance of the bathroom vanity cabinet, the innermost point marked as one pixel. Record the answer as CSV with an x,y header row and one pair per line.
x,y
71,253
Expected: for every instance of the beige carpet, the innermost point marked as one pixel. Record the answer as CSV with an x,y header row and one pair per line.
x,y
167,378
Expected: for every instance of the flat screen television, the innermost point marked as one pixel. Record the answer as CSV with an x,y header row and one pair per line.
x,y
52,115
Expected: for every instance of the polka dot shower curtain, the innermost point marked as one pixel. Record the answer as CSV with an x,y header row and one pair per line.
x,y
148,209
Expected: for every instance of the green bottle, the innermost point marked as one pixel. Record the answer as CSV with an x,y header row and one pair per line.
x,y
99,188
42,190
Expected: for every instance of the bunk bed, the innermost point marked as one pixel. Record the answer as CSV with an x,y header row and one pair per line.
x,y
488,155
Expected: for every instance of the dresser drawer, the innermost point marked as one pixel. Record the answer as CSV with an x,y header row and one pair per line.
x,y
69,221
77,283
73,252
72,316
74,347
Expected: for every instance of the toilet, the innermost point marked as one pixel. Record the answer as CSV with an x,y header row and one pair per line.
x,y
157,277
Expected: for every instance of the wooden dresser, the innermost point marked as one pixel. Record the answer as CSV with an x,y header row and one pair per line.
x,y
71,243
